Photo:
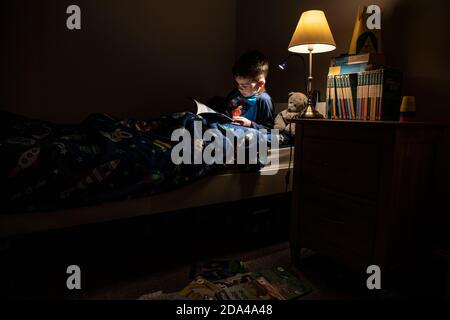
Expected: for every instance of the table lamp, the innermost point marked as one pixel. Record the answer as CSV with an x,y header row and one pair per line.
x,y
312,35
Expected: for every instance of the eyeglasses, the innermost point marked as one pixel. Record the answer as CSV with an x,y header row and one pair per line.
x,y
245,86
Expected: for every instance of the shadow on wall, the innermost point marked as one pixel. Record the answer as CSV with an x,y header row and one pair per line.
x,y
417,41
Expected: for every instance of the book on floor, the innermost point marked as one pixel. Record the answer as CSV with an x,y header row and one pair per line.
x,y
200,289
216,270
282,283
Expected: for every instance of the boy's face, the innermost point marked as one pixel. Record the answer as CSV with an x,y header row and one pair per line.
x,y
249,87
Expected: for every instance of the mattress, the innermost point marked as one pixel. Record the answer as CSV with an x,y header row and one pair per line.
x,y
285,159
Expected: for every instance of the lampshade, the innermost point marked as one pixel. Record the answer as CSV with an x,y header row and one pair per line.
x,y
312,32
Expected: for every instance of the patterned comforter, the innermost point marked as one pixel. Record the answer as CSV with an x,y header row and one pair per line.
x,y
47,166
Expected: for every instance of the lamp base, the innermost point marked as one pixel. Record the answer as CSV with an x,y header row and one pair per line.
x,y
309,113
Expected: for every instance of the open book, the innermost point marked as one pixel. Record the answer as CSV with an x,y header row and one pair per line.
x,y
211,115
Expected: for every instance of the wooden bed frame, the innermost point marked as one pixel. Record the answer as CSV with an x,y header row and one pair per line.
x,y
209,190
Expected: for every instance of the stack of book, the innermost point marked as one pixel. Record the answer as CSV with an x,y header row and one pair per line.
x,y
360,88
223,284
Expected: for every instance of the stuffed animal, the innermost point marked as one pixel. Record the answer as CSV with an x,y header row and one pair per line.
x,y
296,104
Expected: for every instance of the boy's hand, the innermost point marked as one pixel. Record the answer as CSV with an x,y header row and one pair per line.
x,y
241,121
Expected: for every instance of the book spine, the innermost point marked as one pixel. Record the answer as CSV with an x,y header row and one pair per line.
x,y
369,94
381,94
372,96
372,113
361,95
338,99
353,86
364,90
375,95
344,98
343,103
358,98
347,96
368,97
328,101
333,97
348,91
379,82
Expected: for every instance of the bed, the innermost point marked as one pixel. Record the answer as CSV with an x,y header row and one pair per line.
x,y
205,191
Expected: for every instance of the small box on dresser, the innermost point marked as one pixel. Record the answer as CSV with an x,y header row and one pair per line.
x,y
361,188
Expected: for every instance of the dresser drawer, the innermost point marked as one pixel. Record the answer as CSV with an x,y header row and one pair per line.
x,y
347,166
329,221
360,189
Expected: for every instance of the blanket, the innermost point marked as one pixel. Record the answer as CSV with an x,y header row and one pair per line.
x,y
47,166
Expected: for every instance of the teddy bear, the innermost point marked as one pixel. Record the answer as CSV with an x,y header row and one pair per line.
x,y
296,104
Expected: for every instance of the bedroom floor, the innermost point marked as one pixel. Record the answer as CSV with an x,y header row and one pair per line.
x,y
175,278
328,281
126,259
132,275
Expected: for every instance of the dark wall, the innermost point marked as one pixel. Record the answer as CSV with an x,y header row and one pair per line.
x,y
416,39
131,58
143,58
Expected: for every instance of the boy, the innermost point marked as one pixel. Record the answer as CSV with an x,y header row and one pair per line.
x,y
250,105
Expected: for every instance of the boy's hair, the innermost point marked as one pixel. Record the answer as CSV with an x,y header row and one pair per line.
x,y
252,64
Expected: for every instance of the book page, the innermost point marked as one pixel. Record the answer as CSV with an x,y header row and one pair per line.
x,y
210,114
202,108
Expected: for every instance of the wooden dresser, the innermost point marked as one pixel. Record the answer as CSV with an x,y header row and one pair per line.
x,y
360,189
